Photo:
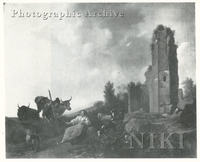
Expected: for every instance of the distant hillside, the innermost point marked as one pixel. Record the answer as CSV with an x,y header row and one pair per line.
x,y
94,107
74,110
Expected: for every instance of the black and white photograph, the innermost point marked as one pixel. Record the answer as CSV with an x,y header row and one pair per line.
x,y
99,80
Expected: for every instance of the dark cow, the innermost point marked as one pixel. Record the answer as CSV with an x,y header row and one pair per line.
x,y
52,109
26,113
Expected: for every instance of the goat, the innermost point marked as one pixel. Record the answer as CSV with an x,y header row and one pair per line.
x,y
32,139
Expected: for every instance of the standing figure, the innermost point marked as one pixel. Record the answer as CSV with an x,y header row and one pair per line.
x,y
110,124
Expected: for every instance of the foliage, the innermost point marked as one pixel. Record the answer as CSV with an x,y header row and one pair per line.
x,y
122,98
110,98
139,96
99,104
188,116
118,101
189,88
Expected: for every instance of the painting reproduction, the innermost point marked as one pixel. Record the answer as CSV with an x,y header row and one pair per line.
x,y
100,80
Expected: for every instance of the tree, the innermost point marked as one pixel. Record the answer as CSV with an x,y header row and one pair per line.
x,y
122,98
110,98
99,104
189,88
138,96
121,90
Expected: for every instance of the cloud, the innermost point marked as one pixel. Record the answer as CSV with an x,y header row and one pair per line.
x,y
76,56
142,33
187,61
100,38
128,44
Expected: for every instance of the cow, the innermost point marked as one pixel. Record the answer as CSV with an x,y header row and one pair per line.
x,y
26,113
52,109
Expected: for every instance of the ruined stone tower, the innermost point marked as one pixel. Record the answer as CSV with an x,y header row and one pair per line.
x,y
162,75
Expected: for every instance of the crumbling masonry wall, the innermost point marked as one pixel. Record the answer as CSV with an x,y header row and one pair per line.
x,y
162,76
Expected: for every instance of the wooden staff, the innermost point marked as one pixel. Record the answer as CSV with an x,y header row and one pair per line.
x,y
50,95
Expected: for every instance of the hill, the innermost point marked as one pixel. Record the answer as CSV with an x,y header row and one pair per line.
x,y
15,129
50,133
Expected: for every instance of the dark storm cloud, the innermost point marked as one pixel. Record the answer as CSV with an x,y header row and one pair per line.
x,y
124,32
117,25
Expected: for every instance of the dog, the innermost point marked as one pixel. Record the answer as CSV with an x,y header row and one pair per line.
x,y
32,140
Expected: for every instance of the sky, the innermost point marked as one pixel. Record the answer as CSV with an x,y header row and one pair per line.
x,y
76,56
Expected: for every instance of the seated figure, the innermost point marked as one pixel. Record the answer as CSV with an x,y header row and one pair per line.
x,y
78,125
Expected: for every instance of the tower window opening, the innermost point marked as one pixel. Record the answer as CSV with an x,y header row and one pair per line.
x,y
164,78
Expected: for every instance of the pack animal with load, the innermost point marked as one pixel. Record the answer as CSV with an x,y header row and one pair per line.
x,y
52,109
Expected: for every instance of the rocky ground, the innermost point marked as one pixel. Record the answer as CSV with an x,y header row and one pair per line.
x,y
112,144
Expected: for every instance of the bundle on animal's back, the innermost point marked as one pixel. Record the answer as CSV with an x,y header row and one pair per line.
x,y
52,109
41,102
